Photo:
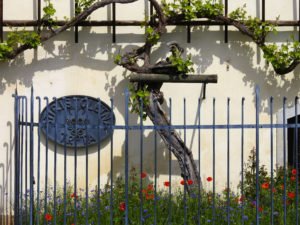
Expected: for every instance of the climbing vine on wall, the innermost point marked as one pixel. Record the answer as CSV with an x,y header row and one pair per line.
x,y
284,58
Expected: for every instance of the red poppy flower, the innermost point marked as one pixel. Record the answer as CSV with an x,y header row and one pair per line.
x,y
167,184
74,195
291,195
209,179
294,171
190,182
293,178
242,198
265,185
122,206
144,191
149,196
48,217
150,187
260,209
143,175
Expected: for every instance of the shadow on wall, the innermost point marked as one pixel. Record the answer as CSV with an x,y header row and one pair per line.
x,y
149,166
6,186
239,54
64,55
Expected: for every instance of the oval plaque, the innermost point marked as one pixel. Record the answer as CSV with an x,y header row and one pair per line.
x,y
77,121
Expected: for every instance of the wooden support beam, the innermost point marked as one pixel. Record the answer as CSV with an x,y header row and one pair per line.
x,y
165,78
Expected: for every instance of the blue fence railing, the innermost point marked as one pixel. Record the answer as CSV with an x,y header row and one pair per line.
x,y
66,138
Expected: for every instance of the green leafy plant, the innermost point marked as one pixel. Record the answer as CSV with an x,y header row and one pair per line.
x,y
5,50
83,5
49,12
284,55
15,39
183,66
117,59
192,9
152,35
139,99
239,13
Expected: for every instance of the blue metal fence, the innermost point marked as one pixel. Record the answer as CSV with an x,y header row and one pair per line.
x,y
32,205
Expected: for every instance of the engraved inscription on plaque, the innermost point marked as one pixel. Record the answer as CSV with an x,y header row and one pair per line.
x,y
77,121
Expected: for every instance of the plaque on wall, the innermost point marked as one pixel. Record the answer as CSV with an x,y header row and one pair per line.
x,y
77,121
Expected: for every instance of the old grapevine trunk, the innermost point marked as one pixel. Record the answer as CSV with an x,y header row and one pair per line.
x,y
172,140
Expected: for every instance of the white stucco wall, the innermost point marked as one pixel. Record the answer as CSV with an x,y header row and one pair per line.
x,y
60,67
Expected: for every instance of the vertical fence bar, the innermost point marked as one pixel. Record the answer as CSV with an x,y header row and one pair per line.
x,y
20,146
98,160
126,153
46,160
272,157
226,26
242,161
257,108
17,159
86,163
199,162
284,161
214,161
39,163
228,161
31,158
21,158
114,22
170,168
155,164
26,160
141,159
296,144
111,198
76,26
55,161
75,162
272,172
184,163
65,160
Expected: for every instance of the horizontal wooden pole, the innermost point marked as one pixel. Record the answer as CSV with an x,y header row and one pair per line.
x,y
165,78
33,23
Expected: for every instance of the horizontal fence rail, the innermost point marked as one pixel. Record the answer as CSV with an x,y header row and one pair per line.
x,y
53,182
